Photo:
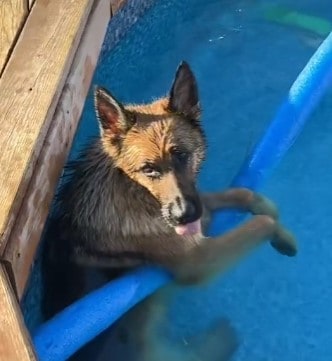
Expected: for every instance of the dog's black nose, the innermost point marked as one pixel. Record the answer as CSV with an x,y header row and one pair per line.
x,y
191,210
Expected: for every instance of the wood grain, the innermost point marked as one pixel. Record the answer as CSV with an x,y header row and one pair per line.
x,y
30,3
26,234
12,16
15,343
116,5
30,88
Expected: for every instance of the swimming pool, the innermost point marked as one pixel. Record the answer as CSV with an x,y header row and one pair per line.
x,y
244,66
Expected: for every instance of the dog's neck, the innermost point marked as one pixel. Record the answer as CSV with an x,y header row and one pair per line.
x,y
101,195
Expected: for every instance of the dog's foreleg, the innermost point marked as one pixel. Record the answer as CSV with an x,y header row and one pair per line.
x,y
206,259
213,256
241,198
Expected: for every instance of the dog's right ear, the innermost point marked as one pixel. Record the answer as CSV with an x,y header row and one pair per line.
x,y
110,113
183,98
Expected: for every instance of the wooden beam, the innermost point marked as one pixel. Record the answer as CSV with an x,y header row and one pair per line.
x,y
26,234
116,5
12,16
30,88
30,3
15,343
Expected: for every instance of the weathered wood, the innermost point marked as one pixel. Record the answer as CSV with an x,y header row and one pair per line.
x,y
116,5
30,3
26,234
15,343
12,16
30,88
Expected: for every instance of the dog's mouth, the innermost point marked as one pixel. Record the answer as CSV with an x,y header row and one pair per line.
x,y
185,219
189,229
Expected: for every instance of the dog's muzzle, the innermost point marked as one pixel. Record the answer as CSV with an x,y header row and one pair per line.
x,y
185,215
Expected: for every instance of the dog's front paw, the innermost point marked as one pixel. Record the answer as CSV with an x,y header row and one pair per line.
x,y
284,242
261,205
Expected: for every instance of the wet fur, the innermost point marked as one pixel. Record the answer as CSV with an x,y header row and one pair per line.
x,y
112,217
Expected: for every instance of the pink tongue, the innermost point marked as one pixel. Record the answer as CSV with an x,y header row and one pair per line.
x,y
189,228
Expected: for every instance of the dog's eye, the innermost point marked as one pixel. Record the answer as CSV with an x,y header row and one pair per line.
x,y
180,156
150,171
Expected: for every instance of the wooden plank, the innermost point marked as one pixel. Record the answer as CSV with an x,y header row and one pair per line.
x,y
26,234
15,343
12,16
30,88
116,5
30,3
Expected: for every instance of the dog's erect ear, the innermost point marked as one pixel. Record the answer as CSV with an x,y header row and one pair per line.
x,y
183,97
110,113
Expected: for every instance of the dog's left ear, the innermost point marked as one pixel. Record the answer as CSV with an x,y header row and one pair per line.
x,y
183,98
111,114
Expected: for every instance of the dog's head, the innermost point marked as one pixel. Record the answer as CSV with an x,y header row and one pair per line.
x,y
160,146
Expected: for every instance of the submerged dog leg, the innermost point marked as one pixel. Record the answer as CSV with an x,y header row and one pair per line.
x,y
216,343
215,255
146,325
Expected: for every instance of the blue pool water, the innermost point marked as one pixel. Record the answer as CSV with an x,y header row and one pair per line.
x,y
244,64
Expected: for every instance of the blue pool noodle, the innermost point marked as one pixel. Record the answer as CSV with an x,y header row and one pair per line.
x,y
68,331
81,322
303,96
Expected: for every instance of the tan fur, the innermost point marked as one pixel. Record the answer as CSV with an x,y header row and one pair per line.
x,y
157,107
158,132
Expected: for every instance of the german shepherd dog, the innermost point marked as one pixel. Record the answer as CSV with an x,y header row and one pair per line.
x,y
132,199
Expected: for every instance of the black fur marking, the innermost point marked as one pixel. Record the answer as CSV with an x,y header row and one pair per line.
x,y
178,202
110,112
184,98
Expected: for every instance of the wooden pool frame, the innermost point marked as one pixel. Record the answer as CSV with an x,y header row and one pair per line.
x,y
48,54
